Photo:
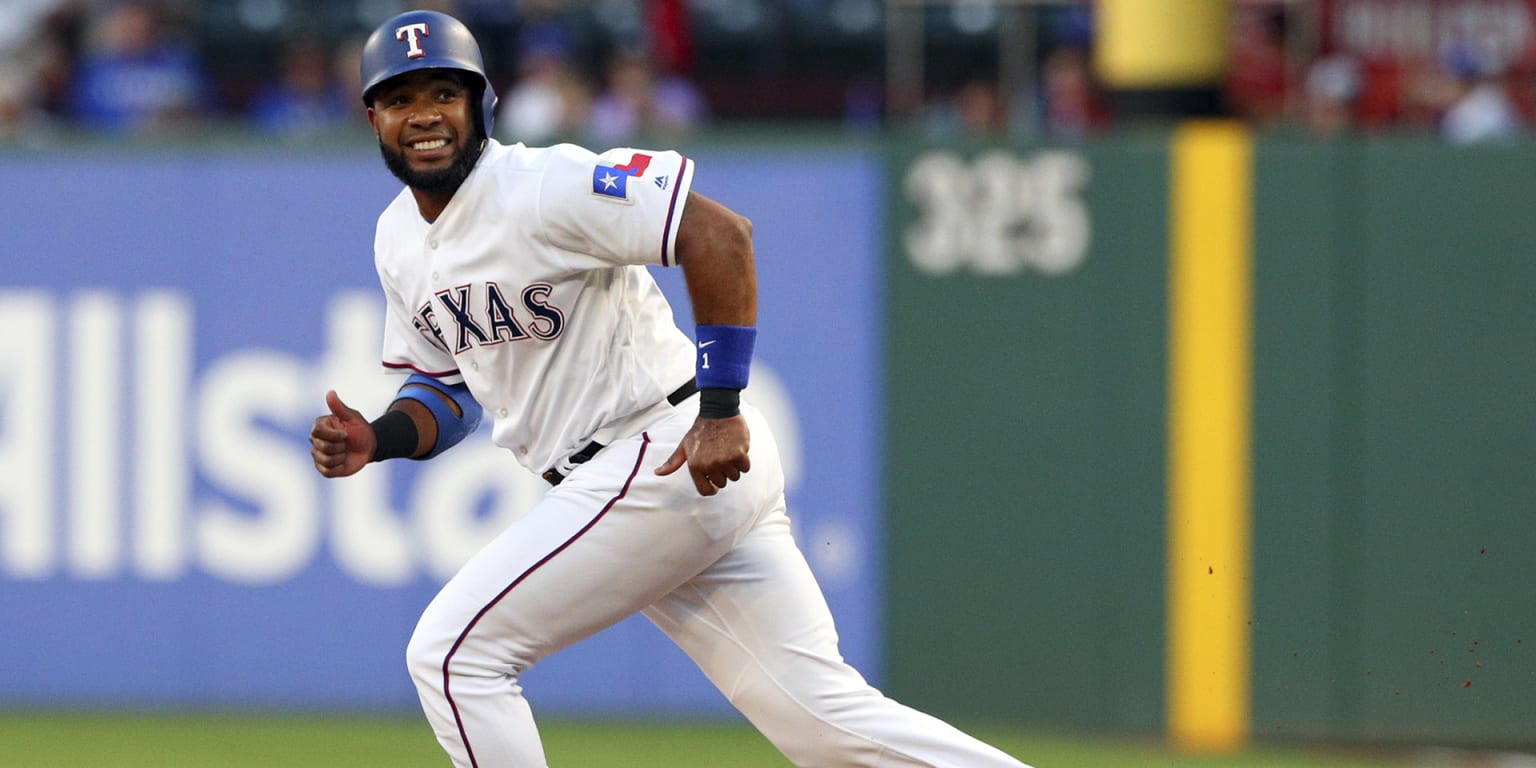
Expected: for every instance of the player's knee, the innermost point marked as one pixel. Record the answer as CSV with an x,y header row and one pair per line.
x,y
425,656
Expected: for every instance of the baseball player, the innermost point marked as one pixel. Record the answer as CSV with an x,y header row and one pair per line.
x,y
516,285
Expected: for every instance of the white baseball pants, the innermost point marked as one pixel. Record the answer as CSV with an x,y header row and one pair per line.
x,y
721,576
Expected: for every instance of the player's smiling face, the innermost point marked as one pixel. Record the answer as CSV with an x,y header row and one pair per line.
x,y
426,127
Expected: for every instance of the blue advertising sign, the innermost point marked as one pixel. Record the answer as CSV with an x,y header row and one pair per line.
x,y
170,325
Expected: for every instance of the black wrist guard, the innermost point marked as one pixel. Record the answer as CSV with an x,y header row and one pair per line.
x,y
717,403
394,436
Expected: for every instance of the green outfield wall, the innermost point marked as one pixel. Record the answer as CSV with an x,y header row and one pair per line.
x,y
1390,358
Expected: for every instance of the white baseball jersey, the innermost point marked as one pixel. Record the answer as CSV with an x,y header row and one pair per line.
x,y
531,289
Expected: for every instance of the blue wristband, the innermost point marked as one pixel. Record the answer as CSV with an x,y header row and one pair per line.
x,y
725,355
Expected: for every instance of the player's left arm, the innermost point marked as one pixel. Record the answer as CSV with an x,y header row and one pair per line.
x,y
714,249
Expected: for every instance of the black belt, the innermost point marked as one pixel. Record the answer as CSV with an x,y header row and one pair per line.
x,y
553,476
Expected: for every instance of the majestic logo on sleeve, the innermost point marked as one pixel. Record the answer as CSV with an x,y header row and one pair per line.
x,y
612,181
412,33
485,315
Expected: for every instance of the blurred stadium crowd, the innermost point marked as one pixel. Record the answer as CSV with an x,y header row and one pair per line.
x,y
604,71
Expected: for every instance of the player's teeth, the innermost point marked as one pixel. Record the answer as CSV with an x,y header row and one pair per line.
x,y
433,144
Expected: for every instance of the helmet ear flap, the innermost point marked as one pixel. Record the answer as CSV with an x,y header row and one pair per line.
x,y
480,89
487,108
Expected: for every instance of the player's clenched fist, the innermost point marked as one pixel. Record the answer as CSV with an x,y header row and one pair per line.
x,y
341,441
715,451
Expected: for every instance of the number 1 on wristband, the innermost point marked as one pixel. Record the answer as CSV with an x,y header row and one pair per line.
x,y
725,355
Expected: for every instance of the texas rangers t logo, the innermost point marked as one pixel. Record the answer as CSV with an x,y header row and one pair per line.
x,y
413,32
612,181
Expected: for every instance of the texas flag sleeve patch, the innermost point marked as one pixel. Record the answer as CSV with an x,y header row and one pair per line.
x,y
611,180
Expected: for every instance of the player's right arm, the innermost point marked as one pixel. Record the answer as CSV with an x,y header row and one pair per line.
x,y
423,421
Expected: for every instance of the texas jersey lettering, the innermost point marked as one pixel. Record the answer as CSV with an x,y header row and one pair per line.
x,y
484,315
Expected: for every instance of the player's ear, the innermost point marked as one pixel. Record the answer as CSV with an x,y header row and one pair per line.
x,y
372,123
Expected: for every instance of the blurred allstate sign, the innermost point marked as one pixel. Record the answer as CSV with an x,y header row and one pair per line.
x,y
172,323
127,496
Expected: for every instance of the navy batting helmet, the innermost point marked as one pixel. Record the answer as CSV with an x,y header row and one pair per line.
x,y
426,40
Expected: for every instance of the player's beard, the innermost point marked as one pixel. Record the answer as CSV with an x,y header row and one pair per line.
x,y
443,180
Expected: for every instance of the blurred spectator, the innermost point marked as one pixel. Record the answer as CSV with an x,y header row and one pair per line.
x,y
979,109
1479,107
1073,104
638,103
1332,92
972,109
671,36
1257,79
549,101
306,100
135,77
864,103
347,78
34,63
